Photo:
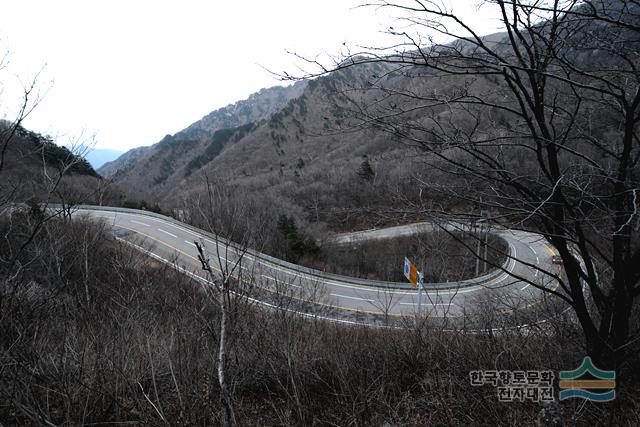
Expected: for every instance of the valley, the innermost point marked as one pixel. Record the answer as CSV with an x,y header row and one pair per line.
x,y
441,230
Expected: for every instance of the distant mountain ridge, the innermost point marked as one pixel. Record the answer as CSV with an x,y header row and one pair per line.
x,y
175,151
121,162
99,156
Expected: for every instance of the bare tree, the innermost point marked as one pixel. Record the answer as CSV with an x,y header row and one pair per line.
x,y
223,296
385,301
233,281
30,100
541,120
17,143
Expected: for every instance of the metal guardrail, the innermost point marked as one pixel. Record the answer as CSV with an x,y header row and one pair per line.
x,y
295,267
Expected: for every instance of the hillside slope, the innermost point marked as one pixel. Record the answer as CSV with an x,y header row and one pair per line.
x,y
303,158
123,161
312,160
35,168
152,170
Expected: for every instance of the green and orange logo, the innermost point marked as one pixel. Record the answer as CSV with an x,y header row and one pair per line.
x,y
588,382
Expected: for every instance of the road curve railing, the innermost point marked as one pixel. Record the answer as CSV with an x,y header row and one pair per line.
x,y
298,268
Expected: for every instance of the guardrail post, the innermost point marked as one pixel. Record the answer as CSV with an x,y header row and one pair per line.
x,y
420,286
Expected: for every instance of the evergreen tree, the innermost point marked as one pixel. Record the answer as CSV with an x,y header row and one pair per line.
x,y
297,244
365,172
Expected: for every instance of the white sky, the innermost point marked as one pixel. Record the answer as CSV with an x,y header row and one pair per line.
x,y
130,72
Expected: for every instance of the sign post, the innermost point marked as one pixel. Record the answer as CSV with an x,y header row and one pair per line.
x,y
416,278
420,287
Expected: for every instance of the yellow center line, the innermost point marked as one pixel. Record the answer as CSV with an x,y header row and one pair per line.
x,y
551,251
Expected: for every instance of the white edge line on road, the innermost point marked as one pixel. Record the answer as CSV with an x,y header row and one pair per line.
x,y
330,282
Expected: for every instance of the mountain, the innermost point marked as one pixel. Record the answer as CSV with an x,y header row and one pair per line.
x,y
122,162
147,167
321,156
99,156
295,149
34,167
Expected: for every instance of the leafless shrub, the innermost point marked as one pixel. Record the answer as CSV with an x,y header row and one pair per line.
x,y
142,351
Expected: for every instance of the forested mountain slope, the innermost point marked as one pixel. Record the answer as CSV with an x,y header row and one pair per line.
x,y
35,168
151,171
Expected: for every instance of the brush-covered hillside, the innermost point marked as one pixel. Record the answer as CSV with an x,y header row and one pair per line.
x,y
151,170
34,168
308,158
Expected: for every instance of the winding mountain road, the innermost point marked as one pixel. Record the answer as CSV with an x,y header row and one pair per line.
x,y
173,242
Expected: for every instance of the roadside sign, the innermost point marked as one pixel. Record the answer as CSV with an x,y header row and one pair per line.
x,y
410,272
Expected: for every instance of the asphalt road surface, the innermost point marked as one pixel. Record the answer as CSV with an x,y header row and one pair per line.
x,y
170,241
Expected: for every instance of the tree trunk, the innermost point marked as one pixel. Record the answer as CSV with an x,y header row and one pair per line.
x,y
227,402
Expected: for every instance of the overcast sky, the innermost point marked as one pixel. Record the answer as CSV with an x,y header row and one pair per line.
x,y
130,72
